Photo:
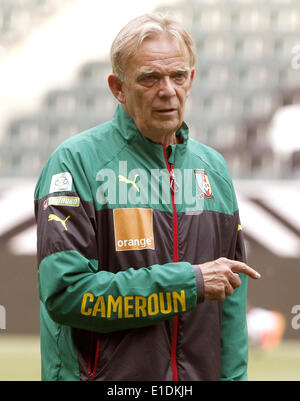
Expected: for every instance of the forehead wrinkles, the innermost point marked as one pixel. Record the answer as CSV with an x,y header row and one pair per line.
x,y
161,52
164,65
159,61
162,55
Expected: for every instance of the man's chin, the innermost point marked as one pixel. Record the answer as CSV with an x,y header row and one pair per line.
x,y
167,129
166,124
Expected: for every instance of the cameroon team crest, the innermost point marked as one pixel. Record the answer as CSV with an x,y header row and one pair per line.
x,y
203,184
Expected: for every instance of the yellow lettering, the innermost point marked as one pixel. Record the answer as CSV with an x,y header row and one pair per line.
x,y
153,306
85,297
162,303
99,306
140,306
116,305
127,306
181,298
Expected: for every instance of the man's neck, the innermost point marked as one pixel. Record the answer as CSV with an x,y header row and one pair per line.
x,y
167,140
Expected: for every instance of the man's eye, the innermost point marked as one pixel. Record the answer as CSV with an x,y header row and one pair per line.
x,y
180,77
148,79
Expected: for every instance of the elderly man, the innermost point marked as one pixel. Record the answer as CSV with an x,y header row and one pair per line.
x,y
140,249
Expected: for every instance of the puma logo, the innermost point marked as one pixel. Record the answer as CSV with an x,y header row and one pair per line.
x,y
127,181
53,217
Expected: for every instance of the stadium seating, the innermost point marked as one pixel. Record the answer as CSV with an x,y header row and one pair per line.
x,y
244,74
18,17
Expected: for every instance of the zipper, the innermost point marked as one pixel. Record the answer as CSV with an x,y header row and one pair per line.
x,y
92,369
174,188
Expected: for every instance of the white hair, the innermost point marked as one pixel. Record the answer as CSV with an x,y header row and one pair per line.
x,y
136,31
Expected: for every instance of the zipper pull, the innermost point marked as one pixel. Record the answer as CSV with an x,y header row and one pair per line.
x,y
173,184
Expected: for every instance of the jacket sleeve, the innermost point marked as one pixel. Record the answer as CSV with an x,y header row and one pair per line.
x,y
234,337
71,286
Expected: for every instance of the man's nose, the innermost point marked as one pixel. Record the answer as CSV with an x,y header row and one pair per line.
x,y
166,87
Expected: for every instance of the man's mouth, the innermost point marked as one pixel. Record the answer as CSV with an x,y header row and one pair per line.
x,y
165,111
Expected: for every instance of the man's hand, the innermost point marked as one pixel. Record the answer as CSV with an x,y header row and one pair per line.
x,y
221,278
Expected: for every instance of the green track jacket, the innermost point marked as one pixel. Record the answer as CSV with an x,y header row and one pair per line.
x,y
122,223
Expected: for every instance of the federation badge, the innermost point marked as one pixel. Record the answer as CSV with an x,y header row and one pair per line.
x,y
203,184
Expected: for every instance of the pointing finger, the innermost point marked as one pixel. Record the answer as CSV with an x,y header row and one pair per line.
x,y
240,267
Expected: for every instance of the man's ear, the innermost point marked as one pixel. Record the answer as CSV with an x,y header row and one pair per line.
x,y
115,86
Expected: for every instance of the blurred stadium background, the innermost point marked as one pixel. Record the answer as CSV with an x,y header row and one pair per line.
x,y
245,103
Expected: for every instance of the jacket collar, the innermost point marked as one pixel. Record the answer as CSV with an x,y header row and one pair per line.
x,y
129,131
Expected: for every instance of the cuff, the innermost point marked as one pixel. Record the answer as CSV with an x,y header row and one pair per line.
x,y
200,283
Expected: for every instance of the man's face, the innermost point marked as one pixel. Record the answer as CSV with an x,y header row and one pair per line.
x,y
157,83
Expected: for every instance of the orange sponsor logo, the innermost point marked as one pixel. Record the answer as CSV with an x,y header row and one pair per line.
x,y
133,229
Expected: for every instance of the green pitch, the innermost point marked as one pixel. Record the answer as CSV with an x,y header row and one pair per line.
x,y
281,364
20,360
20,357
